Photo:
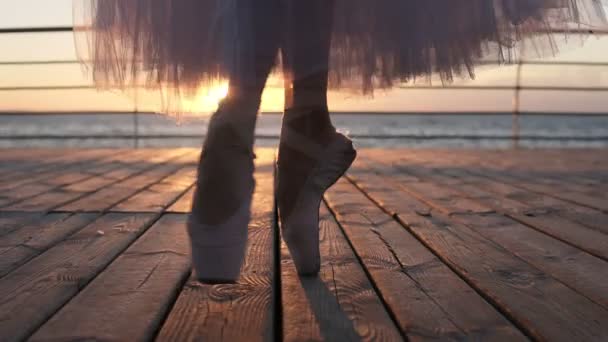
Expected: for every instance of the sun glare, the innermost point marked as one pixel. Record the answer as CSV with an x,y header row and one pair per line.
x,y
210,98
215,94
207,100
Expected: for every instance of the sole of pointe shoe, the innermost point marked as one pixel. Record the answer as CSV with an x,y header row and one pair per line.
x,y
218,251
301,229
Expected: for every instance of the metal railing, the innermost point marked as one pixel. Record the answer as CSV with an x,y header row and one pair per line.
x,y
517,88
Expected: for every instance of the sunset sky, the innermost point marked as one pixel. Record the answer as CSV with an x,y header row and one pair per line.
x,y
31,47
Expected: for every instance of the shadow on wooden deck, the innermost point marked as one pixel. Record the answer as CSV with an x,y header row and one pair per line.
x,y
416,244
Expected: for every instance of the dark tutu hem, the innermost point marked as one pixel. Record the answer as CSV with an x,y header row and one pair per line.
x,y
185,45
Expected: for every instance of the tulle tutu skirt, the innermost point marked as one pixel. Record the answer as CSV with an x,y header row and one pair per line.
x,y
183,45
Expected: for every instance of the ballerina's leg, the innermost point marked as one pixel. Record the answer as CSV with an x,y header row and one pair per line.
x,y
232,127
311,155
305,52
221,206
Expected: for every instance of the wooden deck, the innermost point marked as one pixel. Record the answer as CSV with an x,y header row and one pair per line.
x,y
416,244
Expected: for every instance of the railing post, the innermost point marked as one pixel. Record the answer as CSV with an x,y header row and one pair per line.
x,y
516,129
135,126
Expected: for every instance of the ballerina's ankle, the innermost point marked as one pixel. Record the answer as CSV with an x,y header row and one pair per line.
x,y
311,122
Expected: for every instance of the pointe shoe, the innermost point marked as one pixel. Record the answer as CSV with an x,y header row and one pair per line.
x,y
218,246
301,229
218,250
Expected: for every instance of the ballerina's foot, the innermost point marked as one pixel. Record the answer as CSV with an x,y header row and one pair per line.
x,y
303,179
218,250
221,208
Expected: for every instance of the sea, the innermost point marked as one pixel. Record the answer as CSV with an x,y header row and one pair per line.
x,y
381,130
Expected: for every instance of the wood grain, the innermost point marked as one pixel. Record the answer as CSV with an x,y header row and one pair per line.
x,y
574,267
242,311
40,182
19,246
12,221
115,193
132,296
339,305
545,214
544,307
159,196
429,300
32,293
542,213
35,182
183,204
418,244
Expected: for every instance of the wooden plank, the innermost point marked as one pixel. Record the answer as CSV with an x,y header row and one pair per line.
x,y
21,155
90,166
35,237
577,269
242,311
510,164
545,308
589,240
128,300
107,197
53,196
542,218
120,169
527,193
183,205
553,218
506,170
85,166
27,178
160,195
11,221
429,301
580,271
570,181
35,194
340,304
100,167
35,291
48,194
45,200
519,201
9,197
590,200
51,166
469,173
35,164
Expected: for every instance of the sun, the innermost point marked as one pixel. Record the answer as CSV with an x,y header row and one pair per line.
x,y
215,95
208,98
